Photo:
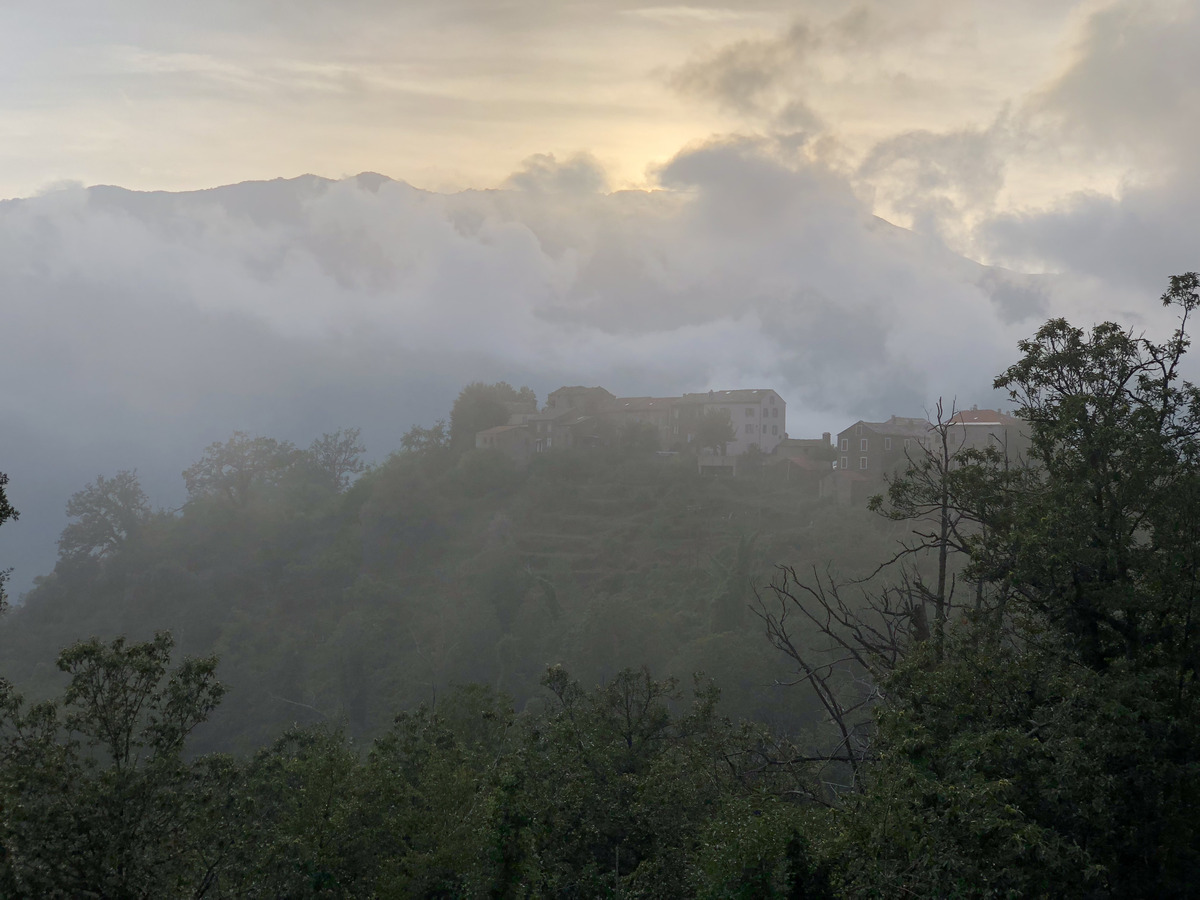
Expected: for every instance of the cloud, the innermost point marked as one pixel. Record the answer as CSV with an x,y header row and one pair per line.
x,y
1135,239
140,327
579,174
1130,98
675,14
771,78
1091,169
747,76
937,179
1131,91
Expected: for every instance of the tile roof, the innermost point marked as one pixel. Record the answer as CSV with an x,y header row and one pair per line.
x,y
896,425
982,417
744,395
549,415
646,404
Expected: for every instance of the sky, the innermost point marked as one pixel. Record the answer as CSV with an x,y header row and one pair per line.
x,y
864,206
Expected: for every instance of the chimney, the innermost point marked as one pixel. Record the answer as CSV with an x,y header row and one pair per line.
x,y
826,437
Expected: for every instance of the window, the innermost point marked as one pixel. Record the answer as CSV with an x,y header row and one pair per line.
x,y
775,413
844,463
749,411
749,429
844,446
887,443
862,445
774,429
862,462
906,442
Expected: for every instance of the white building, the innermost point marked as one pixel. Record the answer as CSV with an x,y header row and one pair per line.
x,y
759,416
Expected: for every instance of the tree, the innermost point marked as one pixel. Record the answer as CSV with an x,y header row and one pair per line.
x,y
1046,743
1104,543
427,441
947,493
6,512
338,456
100,802
233,469
715,429
481,406
108,512
614,788
6,509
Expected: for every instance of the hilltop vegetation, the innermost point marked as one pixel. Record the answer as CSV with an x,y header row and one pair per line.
x,y
342,603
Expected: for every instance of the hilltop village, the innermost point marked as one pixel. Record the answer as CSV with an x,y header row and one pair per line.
x,y
730,431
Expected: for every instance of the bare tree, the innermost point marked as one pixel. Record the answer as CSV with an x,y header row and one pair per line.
x,y
845,638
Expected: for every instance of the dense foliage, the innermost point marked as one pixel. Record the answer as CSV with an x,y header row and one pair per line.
x,y
1049,744
620,790
339,599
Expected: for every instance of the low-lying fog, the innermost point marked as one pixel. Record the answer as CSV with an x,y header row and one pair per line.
x,y
140,327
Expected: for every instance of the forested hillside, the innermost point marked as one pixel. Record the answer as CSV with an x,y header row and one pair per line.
x,y
343,603
1011,711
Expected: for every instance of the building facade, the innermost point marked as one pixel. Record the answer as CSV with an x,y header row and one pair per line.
x,y
979,429
580,416
875,449
758,415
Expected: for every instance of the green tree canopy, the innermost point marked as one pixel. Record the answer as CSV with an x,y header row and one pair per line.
x,y
107,512
480,406
338,456
99,801
6,509
6,512
429,441
233,469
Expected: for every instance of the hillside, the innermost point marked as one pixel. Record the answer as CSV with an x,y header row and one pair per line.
x,y
435,569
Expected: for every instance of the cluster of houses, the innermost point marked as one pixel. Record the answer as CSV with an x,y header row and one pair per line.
x,y
583,416
851,466
868,451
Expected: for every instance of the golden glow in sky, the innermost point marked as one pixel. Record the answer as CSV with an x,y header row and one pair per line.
x,y
941,113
